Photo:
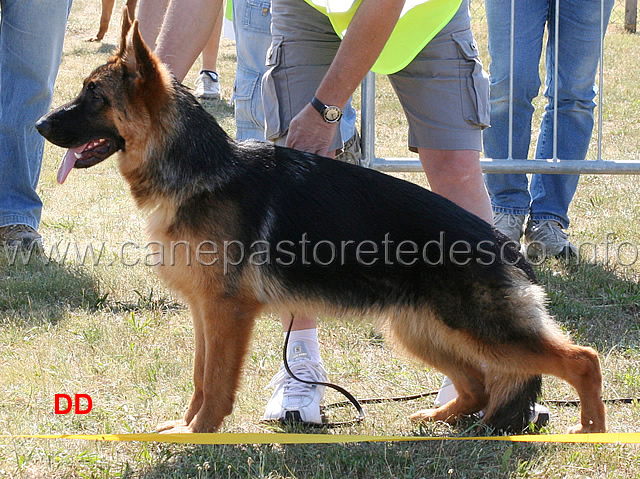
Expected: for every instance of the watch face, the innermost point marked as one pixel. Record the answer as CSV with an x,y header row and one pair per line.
x,y
332,114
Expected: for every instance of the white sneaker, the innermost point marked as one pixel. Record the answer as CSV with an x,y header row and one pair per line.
x,y
207,85
294,401
446,393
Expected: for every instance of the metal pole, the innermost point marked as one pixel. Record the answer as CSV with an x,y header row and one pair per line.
x,y
601,81
543,166
555,80
511,68
368,118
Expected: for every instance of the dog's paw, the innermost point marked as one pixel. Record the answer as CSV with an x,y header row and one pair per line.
x,y
168,426
586,429
177,429
198,424
430,415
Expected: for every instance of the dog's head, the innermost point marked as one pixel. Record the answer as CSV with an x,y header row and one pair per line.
x,y
115,107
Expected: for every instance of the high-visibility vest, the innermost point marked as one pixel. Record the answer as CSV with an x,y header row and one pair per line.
x,y
419,22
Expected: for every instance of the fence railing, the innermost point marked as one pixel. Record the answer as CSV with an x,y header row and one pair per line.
x,y
508,165
625,13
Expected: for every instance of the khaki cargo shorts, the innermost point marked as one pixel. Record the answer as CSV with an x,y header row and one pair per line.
x,y
444,91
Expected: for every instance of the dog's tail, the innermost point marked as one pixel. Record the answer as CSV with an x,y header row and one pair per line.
x,y
513,410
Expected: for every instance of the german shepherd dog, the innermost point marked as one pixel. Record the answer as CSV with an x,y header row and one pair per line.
x,y
325,237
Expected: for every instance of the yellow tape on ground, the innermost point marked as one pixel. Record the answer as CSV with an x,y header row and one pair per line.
x,y
285,438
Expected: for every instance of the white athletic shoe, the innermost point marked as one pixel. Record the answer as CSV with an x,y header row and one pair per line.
x,y
294,401
510,225
207,86
547,238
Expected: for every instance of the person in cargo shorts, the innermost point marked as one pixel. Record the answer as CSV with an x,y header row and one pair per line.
x,y
320,52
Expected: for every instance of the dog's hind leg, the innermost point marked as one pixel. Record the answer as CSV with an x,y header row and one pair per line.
x,y
469,383
430,340
559,357
580,367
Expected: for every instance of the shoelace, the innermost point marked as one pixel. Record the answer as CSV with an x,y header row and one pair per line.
x,y
554,230
511,219
306,370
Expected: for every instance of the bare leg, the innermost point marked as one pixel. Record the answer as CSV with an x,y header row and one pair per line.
x,y
150,17
457,175
186,29
210,50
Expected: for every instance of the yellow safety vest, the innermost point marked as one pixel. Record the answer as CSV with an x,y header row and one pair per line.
x,y
419,22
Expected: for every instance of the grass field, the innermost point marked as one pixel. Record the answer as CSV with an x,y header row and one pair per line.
x,y
96,320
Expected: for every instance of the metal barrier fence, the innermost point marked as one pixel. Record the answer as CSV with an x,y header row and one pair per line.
x,y
506,165
624,12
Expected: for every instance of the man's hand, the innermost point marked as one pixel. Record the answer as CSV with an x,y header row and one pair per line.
x,y
368,32
309,132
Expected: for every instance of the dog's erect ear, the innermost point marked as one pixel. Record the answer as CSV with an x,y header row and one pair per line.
x,y
126,26
153,80
146,63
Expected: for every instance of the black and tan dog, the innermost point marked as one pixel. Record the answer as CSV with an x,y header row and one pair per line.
x,y
261,227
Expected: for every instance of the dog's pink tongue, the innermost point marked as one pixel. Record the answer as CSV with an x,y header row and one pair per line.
x,y
68,162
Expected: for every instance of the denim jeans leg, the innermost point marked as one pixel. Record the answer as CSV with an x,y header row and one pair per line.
x,y
578,57
509,192
31,39
252,25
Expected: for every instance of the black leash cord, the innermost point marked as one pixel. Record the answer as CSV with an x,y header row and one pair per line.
x,y
361,414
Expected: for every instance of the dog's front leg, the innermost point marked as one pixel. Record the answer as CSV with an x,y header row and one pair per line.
x,y
198,317
221,346
227,326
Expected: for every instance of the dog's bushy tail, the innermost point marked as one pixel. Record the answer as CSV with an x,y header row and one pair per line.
x,y
513,415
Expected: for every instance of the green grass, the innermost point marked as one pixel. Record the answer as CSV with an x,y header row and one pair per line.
x,y
109,328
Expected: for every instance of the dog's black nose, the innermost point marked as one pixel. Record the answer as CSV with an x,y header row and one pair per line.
x,y
43,126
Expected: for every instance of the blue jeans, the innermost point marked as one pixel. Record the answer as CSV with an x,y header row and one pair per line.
x,y
549,196
252,25
31,38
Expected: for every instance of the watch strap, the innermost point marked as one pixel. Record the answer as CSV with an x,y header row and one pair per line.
x,y
318,105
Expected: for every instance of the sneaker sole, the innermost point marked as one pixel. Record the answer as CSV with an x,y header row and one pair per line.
x,y
208,97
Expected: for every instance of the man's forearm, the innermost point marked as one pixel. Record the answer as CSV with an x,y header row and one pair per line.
x,y
367,34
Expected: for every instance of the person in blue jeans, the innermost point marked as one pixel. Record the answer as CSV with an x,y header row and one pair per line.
x,y
31,39
547,197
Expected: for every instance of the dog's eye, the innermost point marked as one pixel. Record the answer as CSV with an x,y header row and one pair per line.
x,y
91,87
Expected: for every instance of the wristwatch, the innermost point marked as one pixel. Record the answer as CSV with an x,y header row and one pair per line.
x,y
330,114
